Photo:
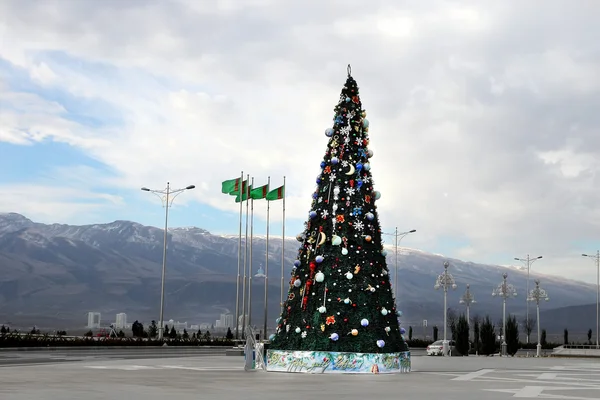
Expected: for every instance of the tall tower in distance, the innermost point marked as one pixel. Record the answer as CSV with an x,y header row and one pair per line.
x,y
121,321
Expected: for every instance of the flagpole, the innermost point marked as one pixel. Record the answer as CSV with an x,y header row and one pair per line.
x,y
265,335
283,243
237,283
250,263
245,260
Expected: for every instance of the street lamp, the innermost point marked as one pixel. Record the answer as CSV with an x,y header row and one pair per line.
x,y
528,261
504,290
536,295
597,258
445,280
166,196
467,299
398,236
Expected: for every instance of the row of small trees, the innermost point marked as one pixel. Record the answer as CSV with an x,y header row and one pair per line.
x,y
485,334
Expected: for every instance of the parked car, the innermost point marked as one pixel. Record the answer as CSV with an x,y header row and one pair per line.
x,y
436,348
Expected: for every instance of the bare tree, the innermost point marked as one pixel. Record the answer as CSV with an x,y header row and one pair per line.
x,y
528,325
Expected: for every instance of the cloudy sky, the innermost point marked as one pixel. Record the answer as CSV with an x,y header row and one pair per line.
x,y
484,115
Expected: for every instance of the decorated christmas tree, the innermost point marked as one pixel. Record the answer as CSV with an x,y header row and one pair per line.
x,y
340,298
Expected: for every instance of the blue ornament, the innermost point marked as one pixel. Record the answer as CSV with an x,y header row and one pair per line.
x,y
359,166
312,214
334,337
339,120
362,152
278,320
323,164
329,132
380,343
399,313
334,160
367,166
370,216
318,180
272,336
319,259
347,99
297,263
315,195
384,252
402,331
365,123
359,183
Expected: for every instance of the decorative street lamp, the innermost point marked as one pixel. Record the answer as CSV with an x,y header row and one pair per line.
x,y
528,261
467,299
506,291
166,196
597,259
398,238
445,280
536,295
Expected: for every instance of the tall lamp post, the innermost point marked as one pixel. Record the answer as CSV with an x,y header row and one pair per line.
x,y
445,281
467,299
528,261
504,290
597,258
166,196
398,236
536,295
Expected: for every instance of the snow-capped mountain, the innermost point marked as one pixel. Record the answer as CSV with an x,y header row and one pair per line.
x,y
63,271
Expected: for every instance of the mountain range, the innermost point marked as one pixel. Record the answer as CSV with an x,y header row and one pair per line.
x,y
52,275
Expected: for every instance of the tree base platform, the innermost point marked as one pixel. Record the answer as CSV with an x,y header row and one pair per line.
x,y
325,362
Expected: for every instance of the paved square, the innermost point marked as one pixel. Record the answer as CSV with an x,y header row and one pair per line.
x,y
223,378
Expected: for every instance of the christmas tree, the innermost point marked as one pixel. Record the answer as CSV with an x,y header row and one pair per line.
x,y
340,298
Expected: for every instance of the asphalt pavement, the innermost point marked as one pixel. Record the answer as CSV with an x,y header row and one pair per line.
x,y
13,357
221,377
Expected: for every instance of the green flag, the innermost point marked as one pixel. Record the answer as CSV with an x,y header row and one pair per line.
x,y
259,192
236,189
244,193
276,194
230,185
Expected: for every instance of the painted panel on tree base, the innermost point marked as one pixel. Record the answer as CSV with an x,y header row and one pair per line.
x,y
320,362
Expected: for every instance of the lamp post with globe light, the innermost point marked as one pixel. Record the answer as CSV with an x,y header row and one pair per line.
x,y
467,299
536,295
445,281
166,196
506,291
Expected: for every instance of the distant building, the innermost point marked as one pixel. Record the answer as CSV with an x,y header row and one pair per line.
x,y
121,321
226,321
94,319
179,326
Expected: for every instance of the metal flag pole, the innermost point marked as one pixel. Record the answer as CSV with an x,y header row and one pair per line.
x,y
283,244
237,283
250,263
245,258
267,265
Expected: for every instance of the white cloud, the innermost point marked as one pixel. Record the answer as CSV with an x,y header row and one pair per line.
x,y
483,117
